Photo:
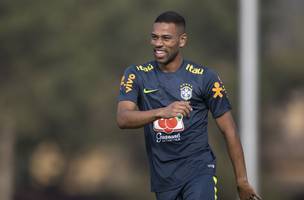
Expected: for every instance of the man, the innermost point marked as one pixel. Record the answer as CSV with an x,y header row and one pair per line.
x,y
170,97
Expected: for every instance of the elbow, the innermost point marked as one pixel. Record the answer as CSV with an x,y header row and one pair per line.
x,y
121,123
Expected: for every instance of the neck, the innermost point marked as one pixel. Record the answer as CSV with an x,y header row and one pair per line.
x,y
172,66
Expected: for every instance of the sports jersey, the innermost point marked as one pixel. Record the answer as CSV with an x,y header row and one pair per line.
x,y
177,148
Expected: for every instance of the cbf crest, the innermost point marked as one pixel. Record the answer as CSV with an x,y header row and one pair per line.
x,y
186,91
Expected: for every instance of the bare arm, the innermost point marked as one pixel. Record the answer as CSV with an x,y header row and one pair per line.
x,y
128,115
235,150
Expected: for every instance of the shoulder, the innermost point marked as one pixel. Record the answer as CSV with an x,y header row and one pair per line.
x,y
146,67
194,68
210,72
199,69
141,68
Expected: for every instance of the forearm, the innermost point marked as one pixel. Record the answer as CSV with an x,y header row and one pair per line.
x,y
237,157
235,150
128,115
136,119
236,154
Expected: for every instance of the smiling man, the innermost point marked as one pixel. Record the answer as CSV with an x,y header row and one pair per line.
x,y
171,97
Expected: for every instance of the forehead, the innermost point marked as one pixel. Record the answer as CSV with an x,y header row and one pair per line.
x,y
161,28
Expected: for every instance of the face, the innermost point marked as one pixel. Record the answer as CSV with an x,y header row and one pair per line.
x,y
167,39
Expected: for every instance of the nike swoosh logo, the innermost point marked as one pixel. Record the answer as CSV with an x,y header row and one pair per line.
x,y
146,91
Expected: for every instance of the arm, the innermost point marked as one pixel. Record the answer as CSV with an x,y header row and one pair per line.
x,y
228,128
128,115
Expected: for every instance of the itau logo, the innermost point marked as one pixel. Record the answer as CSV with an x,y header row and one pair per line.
x,y
170,125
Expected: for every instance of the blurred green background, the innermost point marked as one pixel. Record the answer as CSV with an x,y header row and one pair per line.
x,y
60,68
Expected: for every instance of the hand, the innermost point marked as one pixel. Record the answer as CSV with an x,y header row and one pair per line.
x,y
246,192
176,108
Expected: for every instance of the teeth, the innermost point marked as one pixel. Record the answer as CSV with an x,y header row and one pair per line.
x,y
159,51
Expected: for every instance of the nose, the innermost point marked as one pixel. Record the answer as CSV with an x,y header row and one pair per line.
x,y
157,42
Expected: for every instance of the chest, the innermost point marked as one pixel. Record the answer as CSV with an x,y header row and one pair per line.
x,y
161,90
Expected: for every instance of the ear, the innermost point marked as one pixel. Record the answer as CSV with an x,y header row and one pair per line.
x,y
182,40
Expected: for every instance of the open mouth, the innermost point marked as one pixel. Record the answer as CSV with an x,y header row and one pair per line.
x,y
159,53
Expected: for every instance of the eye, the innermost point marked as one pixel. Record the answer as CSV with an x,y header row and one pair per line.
x,y
154,37
166,37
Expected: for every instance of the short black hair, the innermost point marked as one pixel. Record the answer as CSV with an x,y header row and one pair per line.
x,y
171,17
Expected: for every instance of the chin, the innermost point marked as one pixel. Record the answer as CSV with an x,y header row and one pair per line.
x,y
161,61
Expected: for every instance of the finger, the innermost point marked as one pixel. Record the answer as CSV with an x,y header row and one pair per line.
x,y
184,108
249,197
187,110
254,196
257,197
187,104
180,103
181,111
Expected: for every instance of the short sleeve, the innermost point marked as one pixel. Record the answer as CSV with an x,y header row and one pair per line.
x,y
129,88
215,94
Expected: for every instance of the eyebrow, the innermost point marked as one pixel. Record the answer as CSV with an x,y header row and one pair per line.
x,y
164,35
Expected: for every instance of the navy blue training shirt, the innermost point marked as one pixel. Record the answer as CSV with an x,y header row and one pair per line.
x,y
177,148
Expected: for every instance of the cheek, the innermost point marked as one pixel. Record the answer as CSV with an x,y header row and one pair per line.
x,y
174,47
171,44
152,42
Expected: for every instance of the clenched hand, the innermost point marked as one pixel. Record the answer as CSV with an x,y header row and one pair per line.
x,y
176,108
246,192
